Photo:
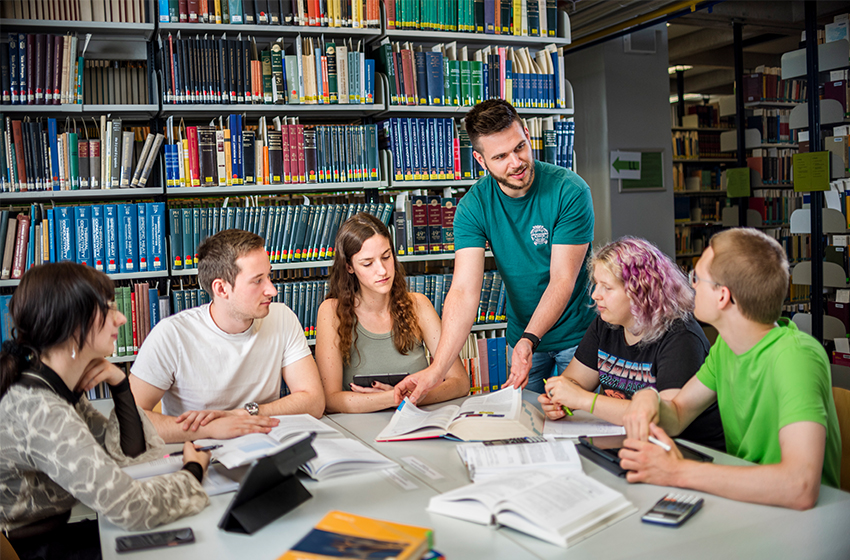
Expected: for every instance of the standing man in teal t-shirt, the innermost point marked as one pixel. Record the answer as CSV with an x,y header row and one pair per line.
x,y
538,219
772,384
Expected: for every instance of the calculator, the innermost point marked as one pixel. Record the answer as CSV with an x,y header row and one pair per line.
x,y
673,509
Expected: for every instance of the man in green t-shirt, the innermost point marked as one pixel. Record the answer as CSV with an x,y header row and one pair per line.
x,y
538,220
771,382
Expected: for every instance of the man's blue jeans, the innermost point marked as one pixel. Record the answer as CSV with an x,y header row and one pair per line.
x,y
545,365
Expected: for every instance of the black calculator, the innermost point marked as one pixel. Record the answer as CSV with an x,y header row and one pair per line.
x,y
673,509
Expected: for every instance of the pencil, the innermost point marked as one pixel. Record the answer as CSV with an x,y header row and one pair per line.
x,y
564,408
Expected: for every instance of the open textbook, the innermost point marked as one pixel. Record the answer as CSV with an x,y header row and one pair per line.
x,y
581,423
487,460
498,415
244,449
342,456
562,509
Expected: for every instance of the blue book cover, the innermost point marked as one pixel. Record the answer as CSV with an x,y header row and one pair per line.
x,y
154,307
196,234
240,154
82,229
163,12
501,356
30,244
141,217
65,238
492,363
128,238
5,318
176,238
155,226
369,85
434,64
234,151
51,234
110,238
97,238
188,238
52,138
320,90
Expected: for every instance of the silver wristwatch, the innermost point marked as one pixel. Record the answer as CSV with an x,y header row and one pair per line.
x,y
252,408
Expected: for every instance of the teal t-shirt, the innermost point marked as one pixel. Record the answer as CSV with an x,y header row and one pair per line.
x,y
783,379
557,210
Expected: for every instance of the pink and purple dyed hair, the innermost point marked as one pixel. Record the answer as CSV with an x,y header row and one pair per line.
x,y
658,290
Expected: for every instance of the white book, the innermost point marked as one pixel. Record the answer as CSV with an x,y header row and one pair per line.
x,y
339,457
486,461
562,509
581,423
342,73
221,164
497,415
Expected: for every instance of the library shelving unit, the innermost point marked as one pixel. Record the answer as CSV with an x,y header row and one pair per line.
x,y
825,315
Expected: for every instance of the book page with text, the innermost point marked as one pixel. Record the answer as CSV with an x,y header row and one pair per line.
x,y
504,403
408,419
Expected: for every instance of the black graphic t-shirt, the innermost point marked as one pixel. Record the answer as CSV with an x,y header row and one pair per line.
x,y
665,364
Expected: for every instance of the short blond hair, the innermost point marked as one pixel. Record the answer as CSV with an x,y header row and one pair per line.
x,y
755,269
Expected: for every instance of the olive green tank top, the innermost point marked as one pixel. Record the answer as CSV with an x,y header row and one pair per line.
x,y
375,353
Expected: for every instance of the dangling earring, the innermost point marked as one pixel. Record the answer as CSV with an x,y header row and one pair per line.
x,y
73,353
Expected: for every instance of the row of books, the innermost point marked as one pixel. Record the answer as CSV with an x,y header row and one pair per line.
x,y
708,115
446,75
115,11
115,82
40,69
691,144
491,306
425,225
691,240
293,232
499,17
227,154
773,124
309,13
143,307
775,206
765,84
698,208
688,178
113,238
309,70
552,139
43,155
427,148
773,164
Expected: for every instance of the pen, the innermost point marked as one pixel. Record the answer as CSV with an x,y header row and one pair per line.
x,y
207,448
564,408
659,443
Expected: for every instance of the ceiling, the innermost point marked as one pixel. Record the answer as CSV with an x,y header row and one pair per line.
x,y
704,39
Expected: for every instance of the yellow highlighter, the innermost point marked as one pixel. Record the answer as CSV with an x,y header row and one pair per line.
x,y
564,408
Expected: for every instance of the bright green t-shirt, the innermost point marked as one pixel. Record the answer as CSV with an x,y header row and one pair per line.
x,y
783,379
556,210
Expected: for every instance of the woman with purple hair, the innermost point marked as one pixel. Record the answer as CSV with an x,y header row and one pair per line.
x,y
644,337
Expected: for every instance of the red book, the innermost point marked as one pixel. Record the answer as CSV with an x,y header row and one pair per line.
x,y
407,70
389,5
58,47
135,314
419,221
325,86
183,10
285,153
194,162
299,135
435,225
456,150
40,67
18,139
31,69
48,69
21,239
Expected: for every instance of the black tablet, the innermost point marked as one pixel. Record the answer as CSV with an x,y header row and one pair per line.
x,y
604,451
385,378
269,488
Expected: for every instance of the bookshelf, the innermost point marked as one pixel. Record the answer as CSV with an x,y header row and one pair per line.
x,y
142,42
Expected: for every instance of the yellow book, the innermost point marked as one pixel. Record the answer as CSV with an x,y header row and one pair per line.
x,y
345,535
227,163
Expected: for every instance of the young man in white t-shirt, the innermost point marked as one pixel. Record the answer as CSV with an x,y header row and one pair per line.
x,y
217,368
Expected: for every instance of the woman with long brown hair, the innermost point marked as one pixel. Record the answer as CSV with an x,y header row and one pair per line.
x,y
371,324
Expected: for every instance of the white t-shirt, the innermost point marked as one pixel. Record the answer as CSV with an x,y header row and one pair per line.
x,y
199,366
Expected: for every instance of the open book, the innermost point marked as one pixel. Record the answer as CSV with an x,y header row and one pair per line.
x,y
487,460
497,415
581,423
217,480
339,457
244,449
562,509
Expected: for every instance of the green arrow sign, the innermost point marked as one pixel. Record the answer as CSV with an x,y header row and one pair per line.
x,y
621,165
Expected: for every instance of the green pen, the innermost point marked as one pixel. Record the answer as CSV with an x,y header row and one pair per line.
x,y
564,408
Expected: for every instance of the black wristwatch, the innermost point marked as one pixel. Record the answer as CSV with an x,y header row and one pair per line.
x,y
252,408
535,342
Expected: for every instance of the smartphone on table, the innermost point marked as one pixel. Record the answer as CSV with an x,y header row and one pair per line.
x,y
156,539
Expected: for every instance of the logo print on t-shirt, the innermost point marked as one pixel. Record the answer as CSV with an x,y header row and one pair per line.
x,y
539,235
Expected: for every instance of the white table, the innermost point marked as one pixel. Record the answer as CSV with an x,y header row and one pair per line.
x,y
723,528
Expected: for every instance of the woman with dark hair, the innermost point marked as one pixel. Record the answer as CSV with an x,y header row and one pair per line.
x,y
56,448
371,324
644,338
